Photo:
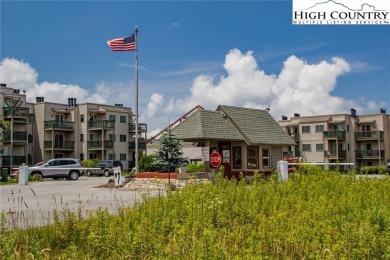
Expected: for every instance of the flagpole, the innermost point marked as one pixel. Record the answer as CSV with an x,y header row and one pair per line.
x,y
136,99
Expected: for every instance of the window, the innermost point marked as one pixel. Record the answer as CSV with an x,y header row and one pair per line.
x,y
81,157
319,147
92,156
306,129
364,163
111,137
266,158
82,118
122,157
81,137
366,128
347,128
319,128
237,162
58,155
122,138
111,118
111,156
59,118
306,147
253,162
122,119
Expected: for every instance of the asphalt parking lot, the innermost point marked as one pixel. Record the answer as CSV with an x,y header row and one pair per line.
x,y
33,204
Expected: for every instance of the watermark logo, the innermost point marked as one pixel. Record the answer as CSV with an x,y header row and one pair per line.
x,y
341,12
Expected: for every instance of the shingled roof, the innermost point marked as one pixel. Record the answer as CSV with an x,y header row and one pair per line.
x,y
254,126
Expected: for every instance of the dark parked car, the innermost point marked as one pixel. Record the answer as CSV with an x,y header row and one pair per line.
x,y
106,168
68,168
388,166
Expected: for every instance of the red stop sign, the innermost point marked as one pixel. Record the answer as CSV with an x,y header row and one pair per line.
x,y
215,159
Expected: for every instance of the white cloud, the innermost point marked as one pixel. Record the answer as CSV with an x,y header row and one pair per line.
x,y
300,87
17,74
20,75
155,101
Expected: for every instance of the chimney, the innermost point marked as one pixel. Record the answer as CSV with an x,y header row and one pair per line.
x,y
353,112
284,117
382,111
3,85
16,91
71,102
40,99
296,115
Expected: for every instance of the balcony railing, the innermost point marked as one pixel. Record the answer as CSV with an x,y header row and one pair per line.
x,y
332,154
15,112
63,125
339,135
17,136
141,145
16,160
101,124
142,128
370,154
100,144
295,136
369,135
59,145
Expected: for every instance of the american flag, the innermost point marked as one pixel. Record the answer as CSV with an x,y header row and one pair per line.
x,y
123,44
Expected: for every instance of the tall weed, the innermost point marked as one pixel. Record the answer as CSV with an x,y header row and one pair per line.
x,y
316,214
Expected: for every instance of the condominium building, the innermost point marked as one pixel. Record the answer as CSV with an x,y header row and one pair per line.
x,y
360,139
43,130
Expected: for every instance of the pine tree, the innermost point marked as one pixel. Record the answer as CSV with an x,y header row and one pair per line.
x,y
168,155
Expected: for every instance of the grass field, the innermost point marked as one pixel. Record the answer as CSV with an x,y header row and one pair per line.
x,y
316,214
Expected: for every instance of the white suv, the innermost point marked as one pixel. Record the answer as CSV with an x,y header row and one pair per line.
x,y
68,168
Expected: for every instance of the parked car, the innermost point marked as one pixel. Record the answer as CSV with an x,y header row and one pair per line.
x,y
68,168
388,166
15,171
106,168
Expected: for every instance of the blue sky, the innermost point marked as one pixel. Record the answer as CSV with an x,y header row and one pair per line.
x,y
244,53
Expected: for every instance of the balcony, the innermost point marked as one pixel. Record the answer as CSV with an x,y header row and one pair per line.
x,y
295,136
15,112
59,125
101,124
142,128
100,144
334,135
59,145
141,144
16,160
334,154
370,154
370,135
17,136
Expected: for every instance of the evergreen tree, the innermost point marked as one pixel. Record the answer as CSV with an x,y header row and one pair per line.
x,y
168,155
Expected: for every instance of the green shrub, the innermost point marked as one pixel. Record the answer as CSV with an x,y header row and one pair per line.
x,y
89,163
145,163
373,170
199,167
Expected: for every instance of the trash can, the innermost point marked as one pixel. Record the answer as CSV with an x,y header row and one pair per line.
x,y
23,175
4,174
